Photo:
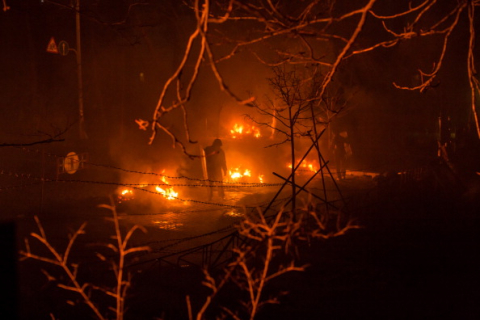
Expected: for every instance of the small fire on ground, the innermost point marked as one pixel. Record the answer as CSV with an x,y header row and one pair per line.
x,y
306,166
242,175
241,130
168,192
125,195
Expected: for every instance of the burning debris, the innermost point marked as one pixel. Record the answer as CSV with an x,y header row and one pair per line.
x,y
242,175
236,174
306,166
124,194
239,131
168,193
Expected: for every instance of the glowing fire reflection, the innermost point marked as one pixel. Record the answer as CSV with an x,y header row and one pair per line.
x,y
233,213
167,225
245,129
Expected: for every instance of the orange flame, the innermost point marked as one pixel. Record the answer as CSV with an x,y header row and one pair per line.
x,y
306,166
169,193
125,195
126,191
237,174
241,130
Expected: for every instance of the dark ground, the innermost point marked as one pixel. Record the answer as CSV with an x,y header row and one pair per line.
x,y
415,257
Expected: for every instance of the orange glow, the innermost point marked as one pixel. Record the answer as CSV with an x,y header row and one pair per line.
x,y
126,191
244,130
306,166
245,175
124,195
237,174
169,193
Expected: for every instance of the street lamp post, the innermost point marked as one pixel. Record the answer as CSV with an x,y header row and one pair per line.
x,y
83,133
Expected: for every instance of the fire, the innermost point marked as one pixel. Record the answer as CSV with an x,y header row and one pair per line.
x,y
237,174
241,130
242,174
306,166
125,195
169,193
126,191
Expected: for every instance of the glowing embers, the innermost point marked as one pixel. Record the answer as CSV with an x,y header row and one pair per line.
x,y
306,166
167,192
242,130
124,194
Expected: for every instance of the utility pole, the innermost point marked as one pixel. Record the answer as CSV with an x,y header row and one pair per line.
x,y
81,120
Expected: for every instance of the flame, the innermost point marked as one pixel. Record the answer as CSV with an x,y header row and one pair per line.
x,y
126,191
168,192
237,174
125,195
306,166
240,130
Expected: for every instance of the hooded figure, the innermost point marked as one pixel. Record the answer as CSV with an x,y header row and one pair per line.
x,y
216,167
340,154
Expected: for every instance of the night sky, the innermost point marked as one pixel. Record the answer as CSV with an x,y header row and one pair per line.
x,y
127,55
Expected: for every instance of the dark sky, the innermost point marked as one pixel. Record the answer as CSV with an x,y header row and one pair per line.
x,y
128,55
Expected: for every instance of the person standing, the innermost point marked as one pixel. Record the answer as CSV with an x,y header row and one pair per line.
x,y
340,155
216,164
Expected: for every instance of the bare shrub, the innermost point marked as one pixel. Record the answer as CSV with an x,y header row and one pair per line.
x,y
86,290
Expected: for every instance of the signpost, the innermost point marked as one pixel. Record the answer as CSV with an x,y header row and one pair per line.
x,y
63,48
52,46
71,163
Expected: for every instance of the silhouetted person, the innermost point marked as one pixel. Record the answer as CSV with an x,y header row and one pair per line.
x,y
216,167
340,155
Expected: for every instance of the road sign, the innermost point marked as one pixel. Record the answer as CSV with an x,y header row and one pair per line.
x,y
52,46
71,163
63,48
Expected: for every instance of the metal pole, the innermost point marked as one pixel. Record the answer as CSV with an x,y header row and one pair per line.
x,y
83,134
